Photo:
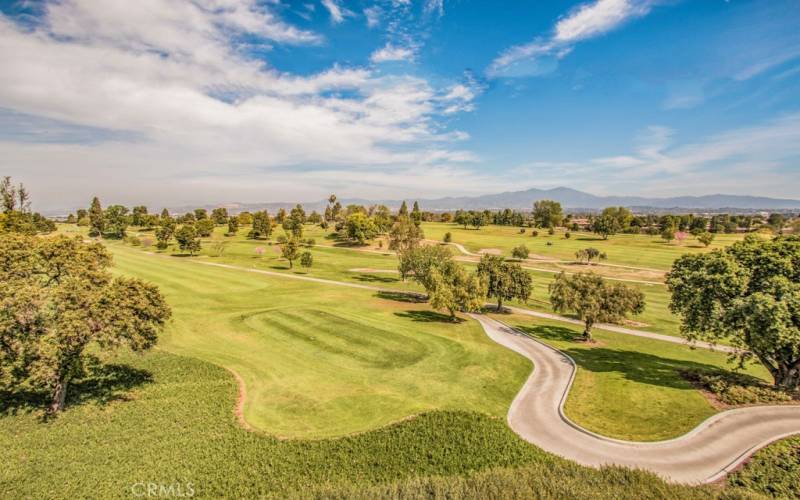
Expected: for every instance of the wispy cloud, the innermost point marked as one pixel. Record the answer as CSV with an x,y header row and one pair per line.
x,y
739,161
585,21
392,53
373,16
336,11
434,7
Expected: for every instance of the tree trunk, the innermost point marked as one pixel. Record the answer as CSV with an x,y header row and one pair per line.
x,y
499,304
587,330
788,377
59,396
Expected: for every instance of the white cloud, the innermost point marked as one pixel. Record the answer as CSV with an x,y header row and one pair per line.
x,y
434,7
586,21
392,53
183,103
373,15
336,11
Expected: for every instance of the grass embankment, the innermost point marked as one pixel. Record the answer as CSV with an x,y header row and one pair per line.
x,y
168,420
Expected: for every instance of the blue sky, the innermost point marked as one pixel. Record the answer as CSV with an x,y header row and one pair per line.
x,y
240,100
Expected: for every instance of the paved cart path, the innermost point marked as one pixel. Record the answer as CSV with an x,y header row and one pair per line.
x,y
705,454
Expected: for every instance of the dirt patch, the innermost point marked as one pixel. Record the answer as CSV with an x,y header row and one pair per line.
x,y
490,251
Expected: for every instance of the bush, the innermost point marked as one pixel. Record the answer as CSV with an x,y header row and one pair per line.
x,y
521,252
306,259
567,235
447,237
773,471
551,231
522,230
534,233
738,389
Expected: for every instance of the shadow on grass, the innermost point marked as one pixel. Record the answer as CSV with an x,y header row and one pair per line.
x,y
411,298
590,238
102,385
371,278
635,366
428,317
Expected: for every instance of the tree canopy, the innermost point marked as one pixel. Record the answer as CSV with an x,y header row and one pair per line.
x,y
504,280
748,293
57,299
593,300
547,213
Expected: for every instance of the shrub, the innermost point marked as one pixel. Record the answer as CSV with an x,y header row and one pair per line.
x,y
567,235
738,389
522,230
534,233
773,471
551,231
306,259
448,237
521,252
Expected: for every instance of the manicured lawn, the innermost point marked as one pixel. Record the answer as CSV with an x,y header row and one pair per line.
x,y
322,360
627,249
629,387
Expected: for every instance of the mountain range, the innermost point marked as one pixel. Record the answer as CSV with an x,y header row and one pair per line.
x,y
570,199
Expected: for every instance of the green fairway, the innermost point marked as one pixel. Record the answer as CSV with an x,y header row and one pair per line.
x,y
630,387
321,360
625,249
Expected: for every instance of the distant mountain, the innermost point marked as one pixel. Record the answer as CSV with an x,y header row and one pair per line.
x,y
523,200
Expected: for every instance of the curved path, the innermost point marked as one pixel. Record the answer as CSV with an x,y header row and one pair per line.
x,y
704,455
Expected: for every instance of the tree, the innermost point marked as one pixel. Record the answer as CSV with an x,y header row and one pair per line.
x,y
382,217
418,261
521,252
705,238
96,223
504,280
587,255
450,287
306,259
290,250
219,215
245,218
164,233
188,239
294,222
280,216
593,300
611,221
233,226
139,213
71,219
262,226
165,215
81,213
668,234
547,213
9,195
116,221
478,219
314,218
403,209
416,215
57,301
448,237
404,235
200,213
204,227
748,293
359,227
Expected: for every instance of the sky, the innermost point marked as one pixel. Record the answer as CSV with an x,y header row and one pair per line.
x,y
169,102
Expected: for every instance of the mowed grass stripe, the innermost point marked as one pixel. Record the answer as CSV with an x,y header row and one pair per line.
x,y
373,361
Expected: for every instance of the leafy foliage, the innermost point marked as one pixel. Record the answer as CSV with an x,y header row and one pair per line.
x,y
593,300
749,293
56,299
504,280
